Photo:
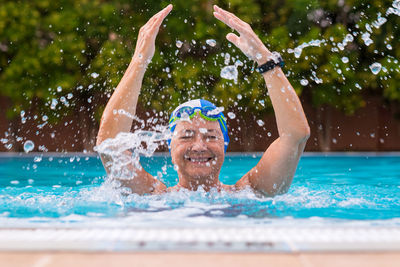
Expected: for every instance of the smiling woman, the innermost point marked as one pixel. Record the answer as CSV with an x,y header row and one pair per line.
x,y
200,132
197,149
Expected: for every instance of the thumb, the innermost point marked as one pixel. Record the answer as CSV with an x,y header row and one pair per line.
x,y
233,38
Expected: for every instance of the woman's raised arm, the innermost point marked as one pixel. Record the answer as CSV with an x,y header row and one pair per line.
x,y
125,97
274,172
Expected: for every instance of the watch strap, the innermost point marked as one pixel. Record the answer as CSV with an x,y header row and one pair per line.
x,y
270,64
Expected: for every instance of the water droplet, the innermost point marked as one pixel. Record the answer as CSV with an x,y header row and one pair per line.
x,y
379,21
203,130
238,63
211,42
227,58
179,44
297,52
260,123
375,68
304,82
366,38
69,96
37,159
54,103
231,115
349,38
388,46
345,59
59,89
29,146
229,72
94,75
239,96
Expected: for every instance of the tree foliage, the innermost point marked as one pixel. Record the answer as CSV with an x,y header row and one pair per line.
x,y
68,56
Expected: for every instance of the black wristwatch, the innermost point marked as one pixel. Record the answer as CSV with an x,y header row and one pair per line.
x,y
270,64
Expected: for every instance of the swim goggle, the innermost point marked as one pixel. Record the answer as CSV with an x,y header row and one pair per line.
x,y
208,113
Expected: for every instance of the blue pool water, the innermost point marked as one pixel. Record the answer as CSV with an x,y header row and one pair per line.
x,y
71,189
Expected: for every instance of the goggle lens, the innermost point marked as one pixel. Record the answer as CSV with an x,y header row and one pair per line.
x,y
209,112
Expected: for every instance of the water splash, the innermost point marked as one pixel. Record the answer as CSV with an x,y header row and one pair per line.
x,y
299,49
304,82
231,115
211,42
94,75
54,103
366,38
125,150
29,146
375,67
179,44
345,59
230,73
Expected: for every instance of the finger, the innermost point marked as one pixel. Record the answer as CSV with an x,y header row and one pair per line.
x,y
233,38
162,11
232,22
238,27
222,18
162,16
155,21
228,15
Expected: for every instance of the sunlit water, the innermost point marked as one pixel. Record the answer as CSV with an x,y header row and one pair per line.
x,y
72,190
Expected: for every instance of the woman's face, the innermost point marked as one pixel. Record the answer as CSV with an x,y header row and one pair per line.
x,y
197,149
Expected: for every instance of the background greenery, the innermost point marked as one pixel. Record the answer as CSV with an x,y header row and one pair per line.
x,y
72,53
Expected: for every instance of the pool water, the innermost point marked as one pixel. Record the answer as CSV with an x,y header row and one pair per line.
x,y
71,189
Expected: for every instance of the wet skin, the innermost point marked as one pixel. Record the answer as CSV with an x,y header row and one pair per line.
x,y
197,154
197,149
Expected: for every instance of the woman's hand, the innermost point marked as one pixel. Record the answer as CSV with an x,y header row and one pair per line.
x,y
145,45
248,41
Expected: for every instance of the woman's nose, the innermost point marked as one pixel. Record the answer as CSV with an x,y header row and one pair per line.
x,y
199,144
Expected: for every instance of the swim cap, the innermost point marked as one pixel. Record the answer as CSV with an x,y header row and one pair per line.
x,y
206,110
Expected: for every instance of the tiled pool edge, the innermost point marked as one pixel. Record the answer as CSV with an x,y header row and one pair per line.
x,y
206,239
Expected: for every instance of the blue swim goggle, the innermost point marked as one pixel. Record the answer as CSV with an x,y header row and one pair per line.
x,y
209,113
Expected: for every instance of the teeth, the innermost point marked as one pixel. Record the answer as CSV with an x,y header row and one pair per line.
x,y
199,160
